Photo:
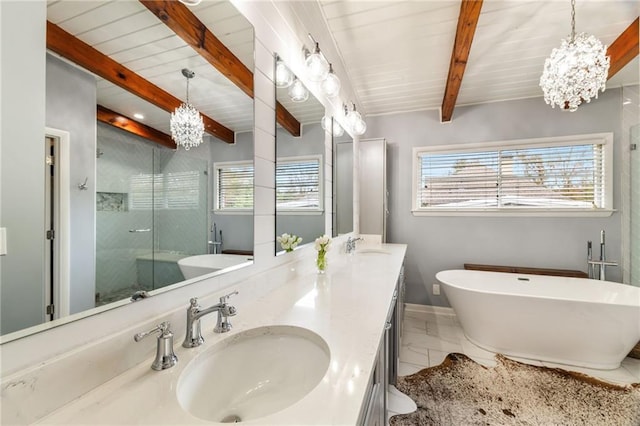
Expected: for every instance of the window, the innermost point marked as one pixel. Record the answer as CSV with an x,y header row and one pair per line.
x,y
563,175
234,186
299,184
177,190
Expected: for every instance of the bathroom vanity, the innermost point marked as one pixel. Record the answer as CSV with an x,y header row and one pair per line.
x,y
351,313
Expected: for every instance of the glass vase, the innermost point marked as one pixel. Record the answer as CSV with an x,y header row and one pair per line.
x,y
321,262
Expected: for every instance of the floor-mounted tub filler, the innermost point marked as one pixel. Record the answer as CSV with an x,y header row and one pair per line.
x,y
573,321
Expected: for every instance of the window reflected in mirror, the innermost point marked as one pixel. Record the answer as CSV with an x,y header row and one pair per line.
x,y
300,162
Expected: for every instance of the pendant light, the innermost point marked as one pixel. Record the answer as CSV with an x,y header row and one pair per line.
x,y
576,71
186,122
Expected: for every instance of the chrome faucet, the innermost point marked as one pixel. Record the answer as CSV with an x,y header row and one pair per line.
x,y
351,245
194,338
600,265
165,357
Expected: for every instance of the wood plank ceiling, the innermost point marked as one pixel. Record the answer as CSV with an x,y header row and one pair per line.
x,y
130,35
405,67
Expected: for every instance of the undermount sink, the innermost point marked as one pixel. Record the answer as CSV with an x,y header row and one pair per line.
x,y
253,374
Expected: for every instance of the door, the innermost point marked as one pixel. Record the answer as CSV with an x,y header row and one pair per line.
x,y
50,227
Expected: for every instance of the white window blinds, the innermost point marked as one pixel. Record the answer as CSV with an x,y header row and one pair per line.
x,y
177,190
234,186
298,184
544,176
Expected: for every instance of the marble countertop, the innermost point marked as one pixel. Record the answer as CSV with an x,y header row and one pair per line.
x,y
347,307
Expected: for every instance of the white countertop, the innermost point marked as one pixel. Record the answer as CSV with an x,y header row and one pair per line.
x,y
347,307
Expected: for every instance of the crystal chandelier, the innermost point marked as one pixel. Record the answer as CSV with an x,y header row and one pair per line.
x,y
186,122
576,71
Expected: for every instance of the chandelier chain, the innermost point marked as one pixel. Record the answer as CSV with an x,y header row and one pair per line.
x,y
573,20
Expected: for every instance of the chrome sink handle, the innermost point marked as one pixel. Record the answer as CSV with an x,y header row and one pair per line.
x,y
223,324
165,357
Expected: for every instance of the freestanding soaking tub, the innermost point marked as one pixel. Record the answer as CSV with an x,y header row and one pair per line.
x,y
572,321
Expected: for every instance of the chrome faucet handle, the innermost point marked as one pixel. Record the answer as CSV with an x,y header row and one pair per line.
x,y
223,324
165,357
226,297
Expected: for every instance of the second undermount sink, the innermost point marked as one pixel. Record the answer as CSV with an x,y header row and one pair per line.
x,y
253,374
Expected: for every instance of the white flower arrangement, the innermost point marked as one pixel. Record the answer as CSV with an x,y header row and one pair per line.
x,y
288,242
323,243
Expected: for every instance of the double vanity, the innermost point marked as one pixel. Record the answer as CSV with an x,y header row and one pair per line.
x,y
314,349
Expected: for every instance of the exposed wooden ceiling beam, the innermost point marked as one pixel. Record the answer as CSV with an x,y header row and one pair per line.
x,y
189,28
77,51
127,124
467,22
624,48
287,120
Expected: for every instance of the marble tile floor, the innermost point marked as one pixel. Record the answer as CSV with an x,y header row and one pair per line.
x,y
427,338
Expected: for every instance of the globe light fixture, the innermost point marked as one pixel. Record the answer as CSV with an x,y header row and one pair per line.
x,y
331,84
186,122
297,91
355,122
284,77
576,71
330,125
317,65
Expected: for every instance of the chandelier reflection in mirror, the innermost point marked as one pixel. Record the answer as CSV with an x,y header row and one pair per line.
x,y
186,122
576,71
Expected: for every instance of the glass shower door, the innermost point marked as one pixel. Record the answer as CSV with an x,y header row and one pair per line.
x,y
634,137
125,186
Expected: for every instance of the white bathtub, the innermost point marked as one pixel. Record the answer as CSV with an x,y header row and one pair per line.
x,y
572,321
194,266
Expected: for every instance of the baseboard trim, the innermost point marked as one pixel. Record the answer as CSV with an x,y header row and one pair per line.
x,y
428,309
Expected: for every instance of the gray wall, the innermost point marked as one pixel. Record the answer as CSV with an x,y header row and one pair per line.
x,y
237,229
71,106
22,120
439,243
311,142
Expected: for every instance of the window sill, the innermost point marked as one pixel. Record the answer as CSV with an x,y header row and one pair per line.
x,y
299,212
239,212
516,212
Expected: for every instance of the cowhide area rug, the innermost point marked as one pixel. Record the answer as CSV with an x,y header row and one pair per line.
x,y
461,392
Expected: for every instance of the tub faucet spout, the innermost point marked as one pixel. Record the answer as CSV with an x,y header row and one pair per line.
x,y
602,263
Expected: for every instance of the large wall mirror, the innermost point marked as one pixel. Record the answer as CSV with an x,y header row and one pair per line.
x,y
342,181
300,162
116,213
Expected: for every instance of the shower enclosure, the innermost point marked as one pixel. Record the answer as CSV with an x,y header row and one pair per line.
x,y
151,211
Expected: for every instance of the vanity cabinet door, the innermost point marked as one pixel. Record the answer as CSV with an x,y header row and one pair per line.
x,y
374,413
